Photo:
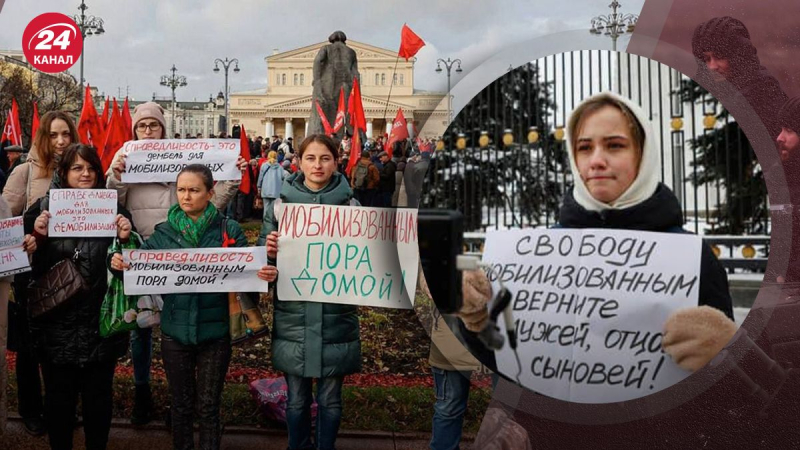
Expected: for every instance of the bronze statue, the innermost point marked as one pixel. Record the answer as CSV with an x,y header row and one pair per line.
x,y
335,66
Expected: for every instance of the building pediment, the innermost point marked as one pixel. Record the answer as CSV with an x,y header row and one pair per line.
x,y
304,103
363,51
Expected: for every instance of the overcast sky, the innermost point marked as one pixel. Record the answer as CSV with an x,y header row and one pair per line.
x,y
145,37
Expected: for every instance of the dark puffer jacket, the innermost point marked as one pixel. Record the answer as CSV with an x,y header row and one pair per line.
x,y
659,213
71,335
312,339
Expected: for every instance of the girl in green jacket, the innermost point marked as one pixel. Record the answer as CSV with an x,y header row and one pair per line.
x,y
310,339
195,341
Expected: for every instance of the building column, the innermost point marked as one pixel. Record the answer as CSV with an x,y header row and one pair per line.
x,y
369,129
388,126
410,128
288,131
305,127
269,128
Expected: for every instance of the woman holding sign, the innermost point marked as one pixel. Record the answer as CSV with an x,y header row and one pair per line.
x,y
149,204
195,343
75,359
313,340
616,168
27,183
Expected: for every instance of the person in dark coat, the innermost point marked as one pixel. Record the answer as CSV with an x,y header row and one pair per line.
x,y
727,63
311,339
75,359
195,341
387,183
615,164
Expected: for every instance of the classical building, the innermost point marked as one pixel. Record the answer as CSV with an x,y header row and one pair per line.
x,y
191,118
284,106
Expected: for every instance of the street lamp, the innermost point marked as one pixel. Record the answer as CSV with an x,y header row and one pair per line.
x,y
226,64
173,82
89,25
614,24
449,66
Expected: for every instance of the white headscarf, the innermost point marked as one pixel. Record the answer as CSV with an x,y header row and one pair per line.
x,y
646,182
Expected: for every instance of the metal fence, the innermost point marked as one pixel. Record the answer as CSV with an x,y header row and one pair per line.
x,y
502,161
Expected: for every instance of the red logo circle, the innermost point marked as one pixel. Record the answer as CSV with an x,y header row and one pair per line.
x,y
52,42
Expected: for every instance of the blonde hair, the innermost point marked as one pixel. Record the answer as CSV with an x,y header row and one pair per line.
x,y
272,157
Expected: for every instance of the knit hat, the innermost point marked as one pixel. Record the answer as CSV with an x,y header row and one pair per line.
x,y
646,180
149,110
789,115
727,38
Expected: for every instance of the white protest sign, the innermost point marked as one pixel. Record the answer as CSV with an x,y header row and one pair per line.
x,y
348,255
83,213
194,270
589,306
160,160
13,259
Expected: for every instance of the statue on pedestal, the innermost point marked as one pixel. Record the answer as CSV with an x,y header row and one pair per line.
x,y
335,66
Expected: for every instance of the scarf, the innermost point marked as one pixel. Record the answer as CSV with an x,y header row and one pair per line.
x,y
191,230
647,179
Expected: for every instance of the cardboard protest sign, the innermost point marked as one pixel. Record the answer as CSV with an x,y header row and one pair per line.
x,y
348,255
13,259
194,270
589,306
160,160
83,213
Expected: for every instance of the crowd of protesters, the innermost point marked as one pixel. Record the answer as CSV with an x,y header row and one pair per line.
x,y
65,346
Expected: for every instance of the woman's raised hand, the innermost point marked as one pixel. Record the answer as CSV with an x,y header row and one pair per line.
x,y
117,263
119,166
693,336
29,244
123,227
268,273
40,226
477,293
241,163
272,245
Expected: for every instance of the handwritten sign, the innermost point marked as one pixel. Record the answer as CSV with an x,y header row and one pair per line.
x,y
348,255
589,306
194,270
160,160
83,213
13,258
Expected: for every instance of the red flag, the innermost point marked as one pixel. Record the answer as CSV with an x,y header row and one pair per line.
x,y
106,115
325,123
410,43
356,108
115,137
358,121
338,123
126,117
35,121
90,129
11,131
355,151
244,152
399,131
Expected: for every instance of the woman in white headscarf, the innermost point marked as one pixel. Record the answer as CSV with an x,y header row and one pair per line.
x,y
616,167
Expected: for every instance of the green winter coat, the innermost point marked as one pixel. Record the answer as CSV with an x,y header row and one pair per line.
x,y
193,319
312,339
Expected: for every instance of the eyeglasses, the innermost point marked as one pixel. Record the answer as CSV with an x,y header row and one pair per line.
x,y
155,126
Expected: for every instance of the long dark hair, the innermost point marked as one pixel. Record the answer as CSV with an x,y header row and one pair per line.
x,y
88,154
42,139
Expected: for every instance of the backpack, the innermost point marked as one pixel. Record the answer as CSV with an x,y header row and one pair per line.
x,y
362,174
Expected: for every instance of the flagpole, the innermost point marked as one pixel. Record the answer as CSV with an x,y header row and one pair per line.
x,y
391,85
